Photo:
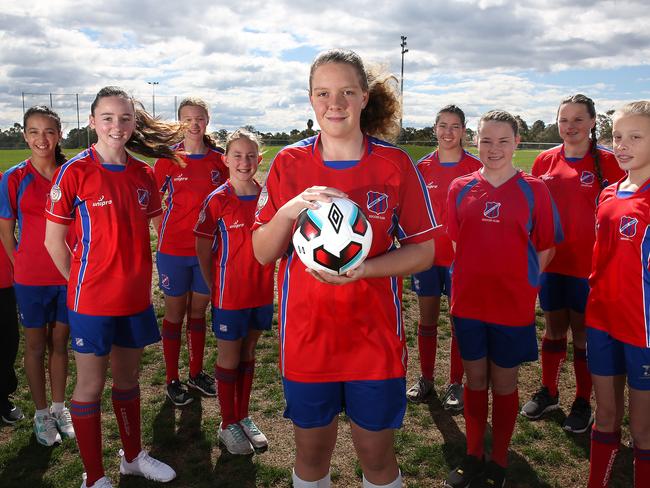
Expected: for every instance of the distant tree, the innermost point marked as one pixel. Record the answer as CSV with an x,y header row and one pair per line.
x,y
310,124
549,134
78,138
13,137
523,128
604,127
536,130
470,135
221,135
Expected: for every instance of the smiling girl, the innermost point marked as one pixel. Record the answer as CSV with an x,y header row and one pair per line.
x,y
109,197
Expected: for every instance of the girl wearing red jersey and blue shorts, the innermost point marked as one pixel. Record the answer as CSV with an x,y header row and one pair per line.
x,y
438,169
342,341
504,225
575,173
110,197
178,268
40,288
242,289
618,318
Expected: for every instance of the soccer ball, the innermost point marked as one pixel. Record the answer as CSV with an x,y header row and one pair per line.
x,y
334,238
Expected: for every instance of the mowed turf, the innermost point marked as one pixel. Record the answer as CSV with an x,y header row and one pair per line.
x,y
430,443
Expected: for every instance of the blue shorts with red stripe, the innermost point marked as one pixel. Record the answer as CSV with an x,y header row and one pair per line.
x,y
179,274
558,291
504,345
230,325
96,334
607,356
433,282
372,404
41,305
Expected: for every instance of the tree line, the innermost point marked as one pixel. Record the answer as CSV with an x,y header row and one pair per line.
x,y
539,131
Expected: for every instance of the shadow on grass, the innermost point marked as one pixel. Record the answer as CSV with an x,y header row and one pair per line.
x,y
232,471
28,466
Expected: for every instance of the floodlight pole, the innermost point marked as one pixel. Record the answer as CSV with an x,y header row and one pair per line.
x,y
404,51
153,95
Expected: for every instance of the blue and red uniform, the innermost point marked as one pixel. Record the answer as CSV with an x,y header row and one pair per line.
x,y
354,332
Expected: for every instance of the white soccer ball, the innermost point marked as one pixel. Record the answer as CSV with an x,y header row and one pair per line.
x,y
334,238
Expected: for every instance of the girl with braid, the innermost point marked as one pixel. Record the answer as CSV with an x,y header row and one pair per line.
x,y
575,173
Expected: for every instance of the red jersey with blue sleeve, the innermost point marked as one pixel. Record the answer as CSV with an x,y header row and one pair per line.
x,y
6,270
186,189
23,194
619,300
354,331
575,188
239,280
438,175
110,207
498,232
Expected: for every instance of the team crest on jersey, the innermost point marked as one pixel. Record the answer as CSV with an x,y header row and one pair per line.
x,y
164,281
627,227
264,197
55,193
202,216
587,178
143,197
377,202
215,176
492,210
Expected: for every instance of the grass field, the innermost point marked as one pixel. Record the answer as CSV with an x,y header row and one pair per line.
x,y
430,444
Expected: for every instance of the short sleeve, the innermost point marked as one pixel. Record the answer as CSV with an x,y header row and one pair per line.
x,y
161,174
8,189
154,208
547,229
452,211
537,169
268,203
612,172
416,216
209,215
60,201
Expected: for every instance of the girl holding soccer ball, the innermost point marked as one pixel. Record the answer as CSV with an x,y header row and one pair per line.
x,y
504,226
242,289
110,197
618,337
575,173
342,347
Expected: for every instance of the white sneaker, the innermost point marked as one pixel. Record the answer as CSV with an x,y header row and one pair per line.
x,y
235,440
148,467
102,482
255,436
45,430
63,421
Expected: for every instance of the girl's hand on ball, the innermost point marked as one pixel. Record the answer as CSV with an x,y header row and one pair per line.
x,y
331,279
309,199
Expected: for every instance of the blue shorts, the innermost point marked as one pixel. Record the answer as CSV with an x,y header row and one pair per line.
x,y
434,282
372,405
558,291
607,356
230,325
41,305
179,274
97,333
504,345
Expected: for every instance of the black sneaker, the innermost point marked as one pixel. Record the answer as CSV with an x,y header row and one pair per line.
x,y
470,468
178,394
10,413
579,419
204,383
493,477
541,403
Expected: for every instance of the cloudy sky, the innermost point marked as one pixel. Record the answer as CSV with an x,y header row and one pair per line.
x,y
250,58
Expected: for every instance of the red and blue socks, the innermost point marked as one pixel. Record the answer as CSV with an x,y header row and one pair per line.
x,y
126,405
427,344
553,355
86,419
475,413
504,415
604,446
244,387
196,343
583,377
171,339
226,380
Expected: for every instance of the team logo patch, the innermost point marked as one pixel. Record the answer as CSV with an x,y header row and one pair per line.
x,y
264,197
587,178
143,197
164,281
201,216
377,202
627,227
215,175
79,342
223,328
646,371
55,193
492,210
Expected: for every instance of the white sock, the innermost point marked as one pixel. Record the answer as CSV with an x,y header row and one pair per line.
x,y
321,483
57,407
396,483
42,412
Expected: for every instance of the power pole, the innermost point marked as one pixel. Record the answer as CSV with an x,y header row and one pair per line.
x,y
153,95
404,51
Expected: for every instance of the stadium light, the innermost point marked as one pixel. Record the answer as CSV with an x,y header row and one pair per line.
x,y
401,92
153,95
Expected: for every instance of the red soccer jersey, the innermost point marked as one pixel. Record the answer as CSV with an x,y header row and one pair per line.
x,y
498,233
6,270
438,176
111,264
186,188
619,301
575,190
23,194
239,280
354,331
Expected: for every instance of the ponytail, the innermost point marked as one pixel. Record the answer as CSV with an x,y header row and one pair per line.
x,y
596,157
